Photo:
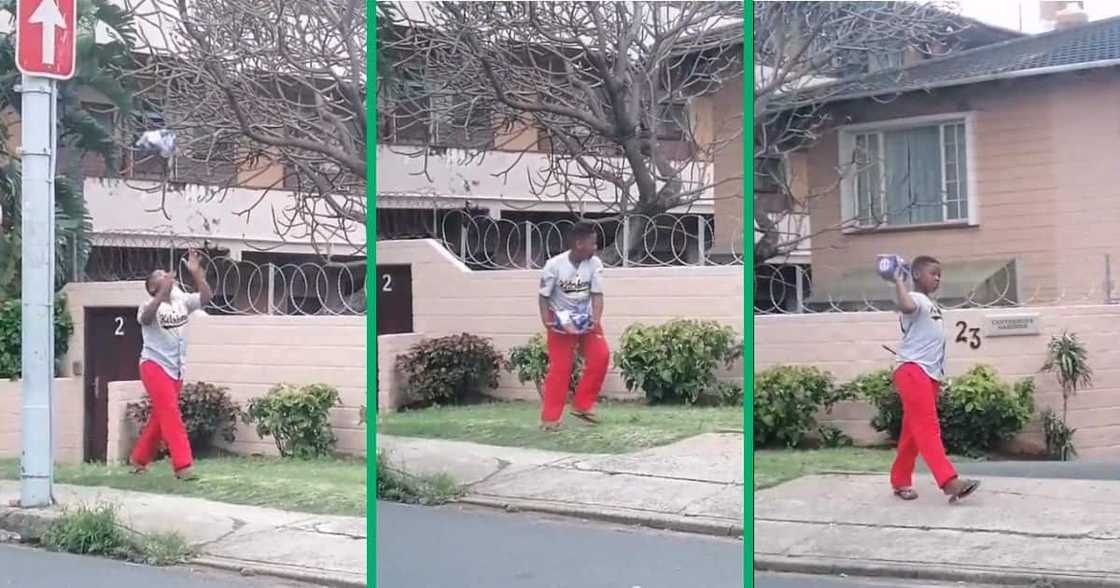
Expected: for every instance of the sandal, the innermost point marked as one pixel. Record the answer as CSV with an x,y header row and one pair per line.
x,y
963,489
138,469
186,474
550,427
906,493
587,417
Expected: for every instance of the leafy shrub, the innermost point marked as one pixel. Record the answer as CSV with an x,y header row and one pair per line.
x,y
832,437
450,370
530,363
297,419
676,362
723,394
207,413
977,411
786,401
11,319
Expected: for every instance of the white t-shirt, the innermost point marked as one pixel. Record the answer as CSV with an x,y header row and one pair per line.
x,y
568,287
165,339
923,337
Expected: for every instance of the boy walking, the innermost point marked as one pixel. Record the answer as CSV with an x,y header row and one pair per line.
x,y
570,298
163,323
921,367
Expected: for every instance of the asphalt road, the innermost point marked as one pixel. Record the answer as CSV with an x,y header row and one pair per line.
x,y
798,581
33,568
422,547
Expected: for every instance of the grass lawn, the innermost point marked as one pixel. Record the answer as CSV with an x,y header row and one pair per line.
x,y
319,487
627,426
775,466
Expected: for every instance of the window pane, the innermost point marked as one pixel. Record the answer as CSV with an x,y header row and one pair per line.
x,y
867,179
962,170
914,168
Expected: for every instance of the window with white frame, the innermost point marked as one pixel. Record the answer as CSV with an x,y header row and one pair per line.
x,y
908,175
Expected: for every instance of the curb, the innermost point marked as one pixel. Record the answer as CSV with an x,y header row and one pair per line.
x,y
930,572
298,574
697,525
32,524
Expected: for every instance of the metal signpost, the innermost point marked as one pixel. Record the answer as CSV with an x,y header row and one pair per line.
x,y
45,52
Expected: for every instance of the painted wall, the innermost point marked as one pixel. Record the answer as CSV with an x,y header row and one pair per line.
x,y
849,344
449,298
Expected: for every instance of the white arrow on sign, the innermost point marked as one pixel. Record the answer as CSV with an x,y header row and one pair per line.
x,y
49,16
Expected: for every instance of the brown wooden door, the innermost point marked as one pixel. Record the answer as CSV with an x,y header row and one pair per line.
x,y
113,342
394,299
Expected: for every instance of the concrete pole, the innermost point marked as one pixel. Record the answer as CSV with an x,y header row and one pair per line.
x,y
37,194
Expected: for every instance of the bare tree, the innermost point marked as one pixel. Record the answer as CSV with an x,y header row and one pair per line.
x,y
265,92
802,48
606,90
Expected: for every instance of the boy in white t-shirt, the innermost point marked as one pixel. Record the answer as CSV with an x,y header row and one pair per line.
x,y
570,299
163,323
921,368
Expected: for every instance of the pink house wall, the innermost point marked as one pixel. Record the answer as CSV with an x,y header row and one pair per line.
x,y
1046,186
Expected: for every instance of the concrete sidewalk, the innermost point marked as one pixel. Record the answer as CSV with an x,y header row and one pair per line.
x,y
1013,530
695,485
319,549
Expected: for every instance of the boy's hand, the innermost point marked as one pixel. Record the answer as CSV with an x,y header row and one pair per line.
x,y
900,274
194,265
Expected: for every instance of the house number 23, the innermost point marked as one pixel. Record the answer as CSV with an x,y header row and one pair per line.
x,y
969,335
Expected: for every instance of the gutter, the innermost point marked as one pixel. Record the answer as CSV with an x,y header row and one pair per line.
x,y
1023,73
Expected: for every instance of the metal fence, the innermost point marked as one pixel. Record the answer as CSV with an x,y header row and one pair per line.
x,y
790,289
305,286
487,243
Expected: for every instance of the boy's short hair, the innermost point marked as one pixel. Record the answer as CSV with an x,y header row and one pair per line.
x,y
922,261
582,230
148,281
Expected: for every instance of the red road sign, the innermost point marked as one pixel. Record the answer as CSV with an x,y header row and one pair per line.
x,y
46,31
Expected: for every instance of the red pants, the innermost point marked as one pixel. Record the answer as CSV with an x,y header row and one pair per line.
x,y
921,431
561,356
165,423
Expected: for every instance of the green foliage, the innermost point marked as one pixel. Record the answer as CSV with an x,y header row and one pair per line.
x,y
1059,437
11,319
530,363
396,485
786,402
450,370
1068,360
207,412
100,67
297,419
676,362
978,410
724,394
98,531
89,531
832,437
